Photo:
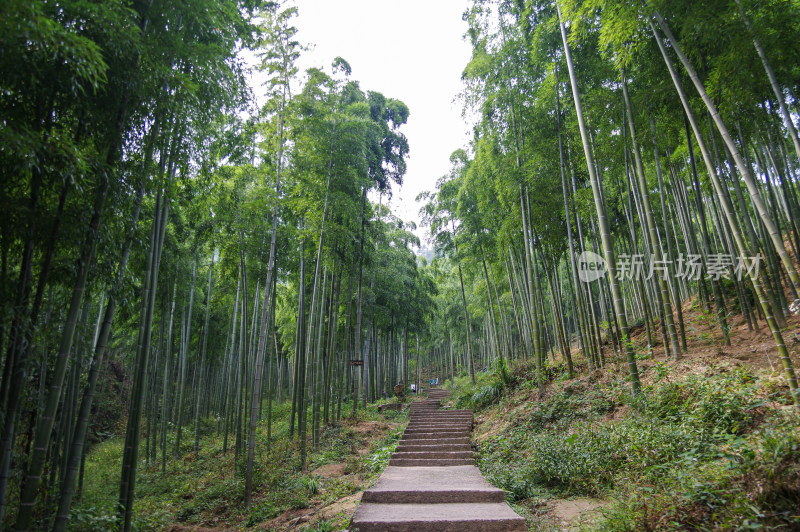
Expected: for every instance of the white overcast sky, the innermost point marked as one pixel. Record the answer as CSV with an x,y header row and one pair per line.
x,y
411,50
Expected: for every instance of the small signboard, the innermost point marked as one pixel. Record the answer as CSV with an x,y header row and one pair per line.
x,y
356,362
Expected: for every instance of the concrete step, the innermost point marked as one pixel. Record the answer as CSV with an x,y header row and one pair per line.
x,y
449,433
438,434
429,485
433,440
451,428
424,453
440,426
424,462
439,447
444,412
436,428
425,418
420,418
448,413
446,517
441,413
421,414
410,448
434,421
437,440
440,423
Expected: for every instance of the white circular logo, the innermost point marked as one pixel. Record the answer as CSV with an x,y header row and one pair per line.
x,y
591,266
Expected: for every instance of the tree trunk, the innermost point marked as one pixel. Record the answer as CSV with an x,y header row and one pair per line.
x,y
605,233
758,202
729,213
47,419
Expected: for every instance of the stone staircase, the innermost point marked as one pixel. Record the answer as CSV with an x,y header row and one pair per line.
x,y
432,483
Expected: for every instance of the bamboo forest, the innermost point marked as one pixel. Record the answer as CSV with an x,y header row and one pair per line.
x,y
215,314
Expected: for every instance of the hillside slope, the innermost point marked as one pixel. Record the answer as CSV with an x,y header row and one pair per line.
x,y
712,444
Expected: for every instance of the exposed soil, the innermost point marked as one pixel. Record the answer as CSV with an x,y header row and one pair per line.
x,y
342,508
618,413
329,471
572,513
492,423
371,427
754,348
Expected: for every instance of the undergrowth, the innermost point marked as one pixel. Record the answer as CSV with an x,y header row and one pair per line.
x,y
208,489
488,388
711,451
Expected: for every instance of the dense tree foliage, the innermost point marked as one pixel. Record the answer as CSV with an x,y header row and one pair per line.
x,y
162,229
177,246
591,117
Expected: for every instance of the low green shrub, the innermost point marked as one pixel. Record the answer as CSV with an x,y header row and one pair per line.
x,y
261,512
376,461
727,403
487,390
705,452
754,485
569,406
92,519
590,460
